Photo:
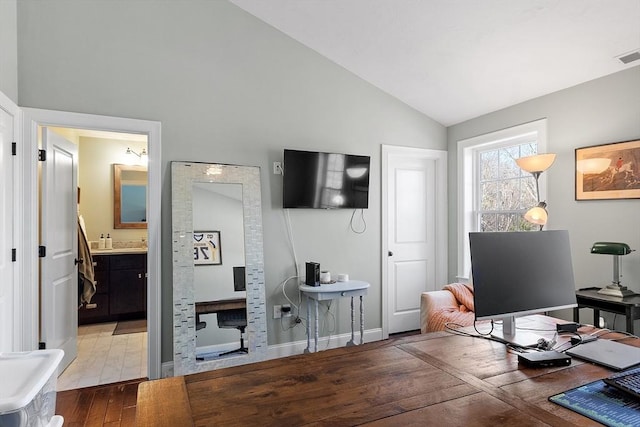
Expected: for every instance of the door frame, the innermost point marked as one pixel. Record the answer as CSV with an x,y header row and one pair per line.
x,y
441,253
32,118
12,109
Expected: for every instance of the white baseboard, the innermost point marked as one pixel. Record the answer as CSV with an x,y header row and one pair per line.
x,y
324,343
297,347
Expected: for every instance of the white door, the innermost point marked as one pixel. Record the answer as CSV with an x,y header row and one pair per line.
x,y
7,313
414,232
59,234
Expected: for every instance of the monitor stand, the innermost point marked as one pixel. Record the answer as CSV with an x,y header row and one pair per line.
x,y
509,334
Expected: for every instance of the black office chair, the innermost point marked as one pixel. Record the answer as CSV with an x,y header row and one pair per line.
x,y
235,318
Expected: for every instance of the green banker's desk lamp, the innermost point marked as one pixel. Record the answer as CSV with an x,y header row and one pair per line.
x,y
616,249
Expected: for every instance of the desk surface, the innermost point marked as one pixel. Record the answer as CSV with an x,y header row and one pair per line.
x,y
350,285
430,379
205,307
592,294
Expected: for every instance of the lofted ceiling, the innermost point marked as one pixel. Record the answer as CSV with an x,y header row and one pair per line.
x,y
454,60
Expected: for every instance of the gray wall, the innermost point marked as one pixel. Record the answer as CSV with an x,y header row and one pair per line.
x,y
9,49
230,89
597,112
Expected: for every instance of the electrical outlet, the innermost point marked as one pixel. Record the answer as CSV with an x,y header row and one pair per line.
x,y
277,311
286,310
277,168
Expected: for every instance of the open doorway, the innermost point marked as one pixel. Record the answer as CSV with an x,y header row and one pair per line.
x,y
112,184
34,119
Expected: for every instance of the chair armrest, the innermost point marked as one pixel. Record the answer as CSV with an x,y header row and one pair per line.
x,y
431,301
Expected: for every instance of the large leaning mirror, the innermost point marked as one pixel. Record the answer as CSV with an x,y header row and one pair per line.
x,y
219,316
129,196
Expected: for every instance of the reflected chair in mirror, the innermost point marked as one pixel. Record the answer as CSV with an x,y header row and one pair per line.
x,y
236,318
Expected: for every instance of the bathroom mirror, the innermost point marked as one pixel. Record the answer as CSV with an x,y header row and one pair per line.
x,y
219,316
129,196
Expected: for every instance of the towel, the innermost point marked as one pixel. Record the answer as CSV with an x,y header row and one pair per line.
x,y
87,284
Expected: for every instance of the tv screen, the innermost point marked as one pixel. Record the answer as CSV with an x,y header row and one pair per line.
x,y
325,180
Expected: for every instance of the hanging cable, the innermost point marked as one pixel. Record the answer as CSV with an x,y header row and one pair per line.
x,y
287,219
361,219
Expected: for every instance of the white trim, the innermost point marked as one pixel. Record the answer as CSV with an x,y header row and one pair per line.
x,y
12,109
37,117
441,262
464,155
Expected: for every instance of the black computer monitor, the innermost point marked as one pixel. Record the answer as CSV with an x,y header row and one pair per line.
x,y
238,279
520,273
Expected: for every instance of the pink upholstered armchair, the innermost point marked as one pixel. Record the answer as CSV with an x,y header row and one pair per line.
x,y
454,303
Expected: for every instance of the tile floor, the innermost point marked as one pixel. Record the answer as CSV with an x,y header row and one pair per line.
x,y
105,358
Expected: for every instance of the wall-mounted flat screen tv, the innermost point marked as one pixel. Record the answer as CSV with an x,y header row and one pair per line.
x,y
325,180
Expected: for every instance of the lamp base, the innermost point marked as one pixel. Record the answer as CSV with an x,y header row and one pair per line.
x,y
615,290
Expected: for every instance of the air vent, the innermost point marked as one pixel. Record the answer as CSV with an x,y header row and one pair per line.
x,y
629,57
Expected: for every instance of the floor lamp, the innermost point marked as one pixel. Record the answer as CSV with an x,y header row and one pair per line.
x,y
535,165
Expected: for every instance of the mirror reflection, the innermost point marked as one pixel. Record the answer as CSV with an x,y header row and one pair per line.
x,y
129,196
219,276
219,316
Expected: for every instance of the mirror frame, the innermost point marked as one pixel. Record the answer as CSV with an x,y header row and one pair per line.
x,y
183,176
117,196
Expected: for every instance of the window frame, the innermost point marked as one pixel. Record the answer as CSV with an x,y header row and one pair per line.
x,y
468,179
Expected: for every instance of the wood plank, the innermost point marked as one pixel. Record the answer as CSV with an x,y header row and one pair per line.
x,y
163,403
480,409
115,404
96,415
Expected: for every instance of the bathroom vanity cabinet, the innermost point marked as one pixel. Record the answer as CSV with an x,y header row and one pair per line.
x,y
121,289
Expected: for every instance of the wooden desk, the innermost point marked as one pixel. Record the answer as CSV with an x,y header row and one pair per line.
x,y
590,298
350,288
206,307
431,379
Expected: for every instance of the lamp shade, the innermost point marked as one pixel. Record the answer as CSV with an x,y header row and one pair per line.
x,y
611,248
536,163
537,215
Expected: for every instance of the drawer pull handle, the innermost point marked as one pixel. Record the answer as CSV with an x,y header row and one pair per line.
x,y
91,306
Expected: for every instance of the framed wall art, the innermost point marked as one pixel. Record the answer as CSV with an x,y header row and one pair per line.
x,y
207,249
608,171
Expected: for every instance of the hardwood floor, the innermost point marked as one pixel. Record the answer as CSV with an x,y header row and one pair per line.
x,y
107,405
112,404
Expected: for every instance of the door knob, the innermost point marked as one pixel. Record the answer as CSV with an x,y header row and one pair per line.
x,y
390,253
78,261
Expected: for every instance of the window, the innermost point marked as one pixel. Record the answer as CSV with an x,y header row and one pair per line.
x,y
504,191
493,192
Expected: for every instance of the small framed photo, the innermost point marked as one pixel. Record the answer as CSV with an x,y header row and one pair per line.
x,y
207,249
608,171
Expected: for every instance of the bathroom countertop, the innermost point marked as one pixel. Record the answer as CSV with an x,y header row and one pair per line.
x,y
118,251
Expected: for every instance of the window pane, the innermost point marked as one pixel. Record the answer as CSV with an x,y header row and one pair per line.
x,y
508,166
490,198
510,192
489,163
488,222
505,192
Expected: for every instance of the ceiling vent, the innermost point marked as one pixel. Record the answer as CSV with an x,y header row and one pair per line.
x,y
629,57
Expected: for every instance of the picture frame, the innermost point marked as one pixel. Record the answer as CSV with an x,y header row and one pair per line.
x,y
608,171
207,249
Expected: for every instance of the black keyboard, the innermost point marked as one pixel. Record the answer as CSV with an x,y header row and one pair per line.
x,y
627,381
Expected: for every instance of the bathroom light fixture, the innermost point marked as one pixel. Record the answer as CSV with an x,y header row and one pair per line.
x,y
535,165
142,157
